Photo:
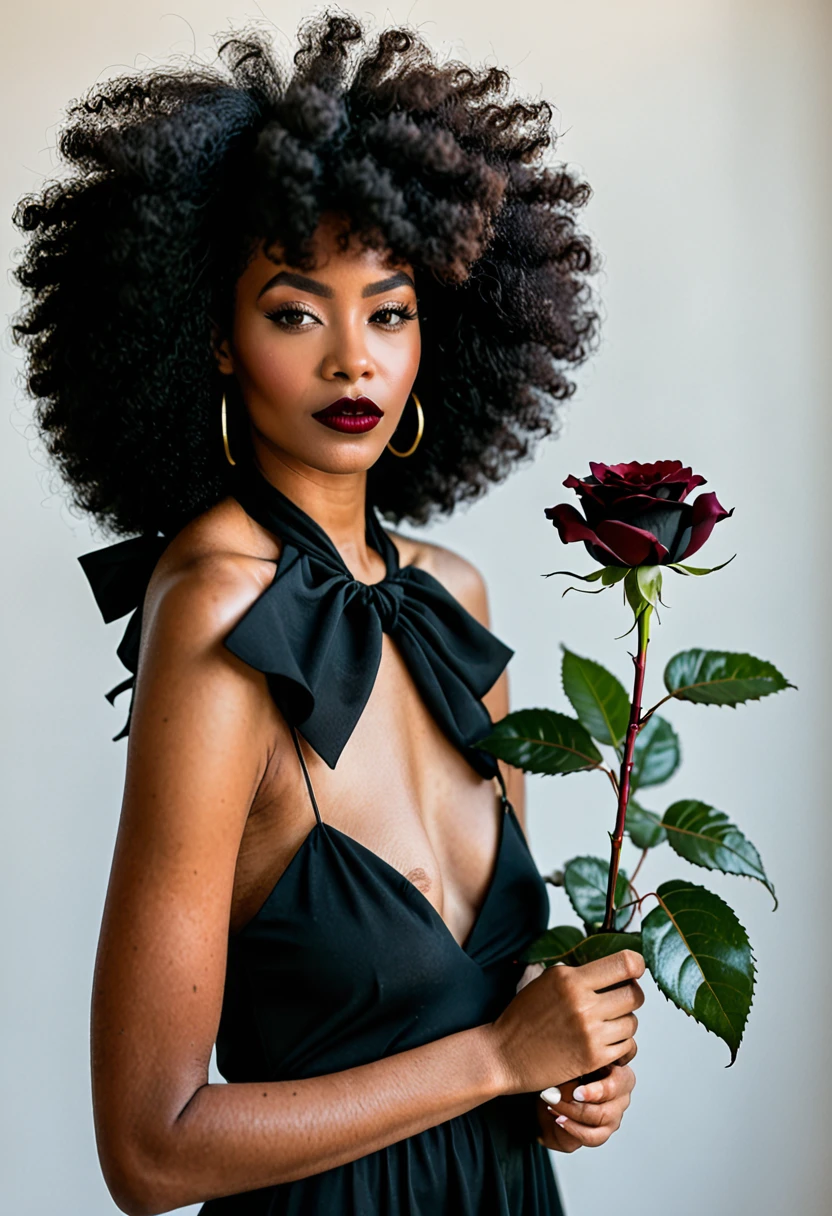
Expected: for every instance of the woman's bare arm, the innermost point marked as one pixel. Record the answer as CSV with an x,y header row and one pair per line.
x,y
200,735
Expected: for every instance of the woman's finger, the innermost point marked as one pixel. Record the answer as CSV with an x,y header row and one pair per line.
x,y
626,1057
618,1001
595,1114
619,1029
620,1081
615,968
551,1096
588,1114
589,1137
557,1140
618,1051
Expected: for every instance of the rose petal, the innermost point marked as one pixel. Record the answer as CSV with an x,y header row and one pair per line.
x,y
599,471
666,480
643,478
707,513
637,474
595,500
572,526
626,507
634,546
693,483
668,521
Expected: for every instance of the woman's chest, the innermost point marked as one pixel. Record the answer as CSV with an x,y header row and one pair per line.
x,y
400,789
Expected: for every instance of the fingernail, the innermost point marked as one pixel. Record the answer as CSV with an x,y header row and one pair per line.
x,y
551,1095
579,1094
561,1119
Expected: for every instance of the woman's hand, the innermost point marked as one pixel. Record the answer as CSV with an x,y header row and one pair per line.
x,y
590,1119
570,1022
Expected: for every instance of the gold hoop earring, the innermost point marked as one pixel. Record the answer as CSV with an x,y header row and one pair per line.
x,y
228,455
420,428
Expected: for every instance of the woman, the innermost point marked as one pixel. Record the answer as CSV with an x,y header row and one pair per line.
x,y
239,302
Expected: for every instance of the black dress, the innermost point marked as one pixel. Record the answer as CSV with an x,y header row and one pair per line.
x,y
346,961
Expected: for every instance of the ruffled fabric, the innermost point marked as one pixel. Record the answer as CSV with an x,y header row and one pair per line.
x,y
119,576
316,631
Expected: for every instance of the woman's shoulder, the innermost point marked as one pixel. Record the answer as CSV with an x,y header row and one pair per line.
x,y
456,573
213,570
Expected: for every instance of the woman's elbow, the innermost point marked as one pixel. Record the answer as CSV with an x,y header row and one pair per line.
x,y
140,1179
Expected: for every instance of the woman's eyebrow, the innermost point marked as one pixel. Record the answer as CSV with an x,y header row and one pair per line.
x,y
399,279
299,281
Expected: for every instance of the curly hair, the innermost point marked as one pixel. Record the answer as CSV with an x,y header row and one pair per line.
x,y
177,174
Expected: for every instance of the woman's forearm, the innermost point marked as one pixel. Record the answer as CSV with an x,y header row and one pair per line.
x,y
238,1137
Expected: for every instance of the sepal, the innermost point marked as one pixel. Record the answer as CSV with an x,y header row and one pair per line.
x,y
699,571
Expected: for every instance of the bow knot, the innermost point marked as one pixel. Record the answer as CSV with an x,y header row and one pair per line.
x,y
386,599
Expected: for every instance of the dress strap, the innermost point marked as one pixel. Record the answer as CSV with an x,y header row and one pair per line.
x,y
306,775
504,798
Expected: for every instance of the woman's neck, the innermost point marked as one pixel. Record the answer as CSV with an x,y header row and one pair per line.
x,y
336,502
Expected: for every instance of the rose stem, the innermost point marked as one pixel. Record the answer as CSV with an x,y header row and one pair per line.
x,y
617,838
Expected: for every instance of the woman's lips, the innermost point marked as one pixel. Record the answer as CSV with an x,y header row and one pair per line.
x,y
351,415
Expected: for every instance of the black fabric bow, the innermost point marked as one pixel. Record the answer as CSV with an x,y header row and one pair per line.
x,y
119,576
316,631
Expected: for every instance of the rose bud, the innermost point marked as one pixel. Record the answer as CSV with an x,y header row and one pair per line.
x,y
636,514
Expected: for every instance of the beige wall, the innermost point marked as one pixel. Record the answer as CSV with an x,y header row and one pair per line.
x,y
703,126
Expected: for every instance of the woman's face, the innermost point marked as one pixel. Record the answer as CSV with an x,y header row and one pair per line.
x,y
346,332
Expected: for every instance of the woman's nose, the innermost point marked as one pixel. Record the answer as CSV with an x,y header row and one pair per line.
x,y
348,357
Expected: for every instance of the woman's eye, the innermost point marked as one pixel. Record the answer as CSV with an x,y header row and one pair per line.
x,y
293,318
393,318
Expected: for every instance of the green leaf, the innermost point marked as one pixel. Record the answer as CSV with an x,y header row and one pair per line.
x,y
598,699
705,836
567,944
541,741
644,827
656,754
716,677
585,880
554,944
699,570
699,955
599,945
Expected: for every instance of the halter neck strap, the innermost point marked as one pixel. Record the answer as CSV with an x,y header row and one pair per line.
x,y
279,514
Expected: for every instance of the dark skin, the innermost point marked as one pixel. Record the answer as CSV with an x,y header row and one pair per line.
x,y
215,804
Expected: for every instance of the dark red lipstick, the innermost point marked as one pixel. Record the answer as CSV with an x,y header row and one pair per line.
x,y
350,415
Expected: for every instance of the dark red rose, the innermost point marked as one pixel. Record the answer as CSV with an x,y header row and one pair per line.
x,y
636,514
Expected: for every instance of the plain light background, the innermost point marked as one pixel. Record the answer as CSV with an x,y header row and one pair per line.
x,y
703,128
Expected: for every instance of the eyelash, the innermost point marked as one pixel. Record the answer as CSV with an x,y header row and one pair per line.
x,y
405,314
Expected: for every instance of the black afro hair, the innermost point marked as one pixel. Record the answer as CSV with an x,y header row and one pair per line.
x,y
176,174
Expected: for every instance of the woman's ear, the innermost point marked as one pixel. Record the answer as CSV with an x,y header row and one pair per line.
x,y
222,350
